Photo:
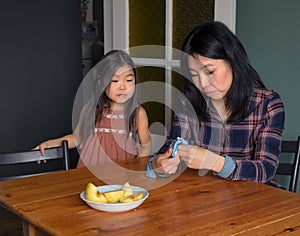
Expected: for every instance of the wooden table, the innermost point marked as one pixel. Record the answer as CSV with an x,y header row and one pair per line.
x,y
189,205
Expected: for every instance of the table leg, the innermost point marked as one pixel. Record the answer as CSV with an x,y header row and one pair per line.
x,y
31,230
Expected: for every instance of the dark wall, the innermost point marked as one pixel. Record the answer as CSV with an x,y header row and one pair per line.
x,y
270,32
40,66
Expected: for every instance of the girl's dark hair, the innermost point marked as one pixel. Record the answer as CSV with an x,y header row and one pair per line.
x,y
103,73
214,40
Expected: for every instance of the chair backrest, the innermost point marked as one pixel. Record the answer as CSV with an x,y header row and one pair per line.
x,y
25,163
290,168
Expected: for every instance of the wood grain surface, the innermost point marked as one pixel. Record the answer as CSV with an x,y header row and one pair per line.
x,y
188,205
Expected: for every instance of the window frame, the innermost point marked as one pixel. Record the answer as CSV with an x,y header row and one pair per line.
x,y
116,36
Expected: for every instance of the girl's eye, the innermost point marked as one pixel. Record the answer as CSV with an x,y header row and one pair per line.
x,y
114,81
130,78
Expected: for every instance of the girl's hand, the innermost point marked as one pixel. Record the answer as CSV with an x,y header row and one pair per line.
x,y
165,165
42,147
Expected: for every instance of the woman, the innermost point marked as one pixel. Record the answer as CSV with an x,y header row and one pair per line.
x,y
234,124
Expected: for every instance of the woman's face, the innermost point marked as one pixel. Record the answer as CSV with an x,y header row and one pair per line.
x,y
122,85
213,77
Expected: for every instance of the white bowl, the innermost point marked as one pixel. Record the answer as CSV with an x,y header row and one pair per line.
x,y
115,207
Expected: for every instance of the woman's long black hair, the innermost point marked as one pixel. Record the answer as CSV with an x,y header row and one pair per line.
x,y
102,74
214,40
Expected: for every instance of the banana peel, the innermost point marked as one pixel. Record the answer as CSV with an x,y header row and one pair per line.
x,y
127,188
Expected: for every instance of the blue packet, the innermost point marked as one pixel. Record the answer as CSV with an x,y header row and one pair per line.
x,y
175,144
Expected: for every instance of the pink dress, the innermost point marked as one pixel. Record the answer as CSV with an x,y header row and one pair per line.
x,y
108,142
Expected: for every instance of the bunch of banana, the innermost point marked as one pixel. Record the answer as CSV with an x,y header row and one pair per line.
x,y
123,195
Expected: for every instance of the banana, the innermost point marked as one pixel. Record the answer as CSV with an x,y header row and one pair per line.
x,y
122,195
132,198
114,196
92,194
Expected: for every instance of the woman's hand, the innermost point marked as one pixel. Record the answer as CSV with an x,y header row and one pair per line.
x,y
193,156
165,165
199,158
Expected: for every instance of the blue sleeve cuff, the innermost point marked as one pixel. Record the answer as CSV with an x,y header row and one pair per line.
x,y
228,168
152,173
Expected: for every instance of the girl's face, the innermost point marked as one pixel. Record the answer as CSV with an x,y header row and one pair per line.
x,y
213,77
122,85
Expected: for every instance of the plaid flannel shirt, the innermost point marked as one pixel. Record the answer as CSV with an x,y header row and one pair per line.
x,y
251,147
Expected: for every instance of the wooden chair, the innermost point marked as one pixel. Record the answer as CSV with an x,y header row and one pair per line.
x,y
25,163
292,168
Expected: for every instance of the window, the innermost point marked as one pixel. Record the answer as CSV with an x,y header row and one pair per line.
x,y
131,24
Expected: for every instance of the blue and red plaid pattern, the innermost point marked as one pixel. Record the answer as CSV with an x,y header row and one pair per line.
x,y
253,143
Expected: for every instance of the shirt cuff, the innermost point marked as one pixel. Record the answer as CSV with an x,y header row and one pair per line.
x,y
150,172
228,168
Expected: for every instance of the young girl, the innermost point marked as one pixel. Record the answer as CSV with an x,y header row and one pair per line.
x,y
112,126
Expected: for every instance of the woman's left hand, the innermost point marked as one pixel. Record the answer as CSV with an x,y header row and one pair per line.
x,y
193,156
198,158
